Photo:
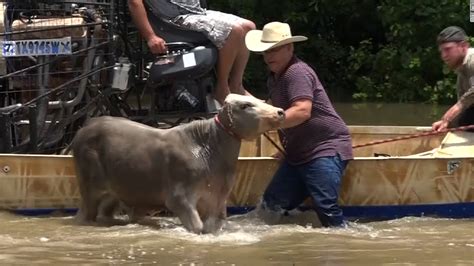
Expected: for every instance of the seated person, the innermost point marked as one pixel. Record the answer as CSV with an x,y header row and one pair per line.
x,y
226,31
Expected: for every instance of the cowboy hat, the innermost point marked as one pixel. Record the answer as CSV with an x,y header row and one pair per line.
x,y
274,34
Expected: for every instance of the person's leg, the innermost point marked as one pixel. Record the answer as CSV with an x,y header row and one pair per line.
x,y
322,177
286,191
238,68
227,32
227,56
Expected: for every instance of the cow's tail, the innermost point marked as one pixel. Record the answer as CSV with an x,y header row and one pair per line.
x,y
68,149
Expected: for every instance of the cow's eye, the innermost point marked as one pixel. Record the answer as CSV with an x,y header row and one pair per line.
x,y
245,106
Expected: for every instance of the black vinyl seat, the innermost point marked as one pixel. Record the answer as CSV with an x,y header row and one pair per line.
x,y
169,68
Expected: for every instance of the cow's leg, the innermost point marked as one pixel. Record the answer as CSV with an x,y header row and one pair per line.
x,y
218,207
213,222
107,209
90,200
89,177
137,215
185,209
89,208
107,206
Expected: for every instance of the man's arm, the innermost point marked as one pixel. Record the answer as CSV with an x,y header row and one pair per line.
x,y
140,18
452,113
465,100
298,113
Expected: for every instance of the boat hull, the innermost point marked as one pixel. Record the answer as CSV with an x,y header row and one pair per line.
x,y
375,188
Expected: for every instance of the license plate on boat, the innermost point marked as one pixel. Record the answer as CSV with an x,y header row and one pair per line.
x,y
61,46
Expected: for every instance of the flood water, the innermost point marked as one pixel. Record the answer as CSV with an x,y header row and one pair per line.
x,y
246,239
390,114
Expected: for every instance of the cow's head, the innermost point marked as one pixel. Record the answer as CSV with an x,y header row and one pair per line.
x,y
248,117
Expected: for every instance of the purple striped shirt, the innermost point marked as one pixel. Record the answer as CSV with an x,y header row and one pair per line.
x,y
325,133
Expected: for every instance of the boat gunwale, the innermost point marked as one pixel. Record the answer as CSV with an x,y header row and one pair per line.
x,y
263,158
383,130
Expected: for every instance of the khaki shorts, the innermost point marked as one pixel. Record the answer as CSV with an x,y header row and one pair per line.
x,y
216,25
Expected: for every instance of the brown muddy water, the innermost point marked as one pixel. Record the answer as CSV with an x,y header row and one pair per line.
x,y
244,240
390,114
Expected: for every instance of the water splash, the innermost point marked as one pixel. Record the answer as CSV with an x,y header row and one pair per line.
x,y
246,238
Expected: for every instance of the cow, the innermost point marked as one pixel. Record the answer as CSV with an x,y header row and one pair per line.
x,y
188,170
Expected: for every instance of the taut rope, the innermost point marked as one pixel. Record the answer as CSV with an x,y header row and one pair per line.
x,y
429,133
418,135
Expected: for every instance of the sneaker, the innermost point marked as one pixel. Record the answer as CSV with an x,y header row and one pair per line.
x,y
213,106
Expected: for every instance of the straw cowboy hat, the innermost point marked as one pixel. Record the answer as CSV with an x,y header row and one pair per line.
x,y
274,34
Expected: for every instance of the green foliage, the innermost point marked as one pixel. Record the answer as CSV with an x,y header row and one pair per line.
x,y
367,50
406,66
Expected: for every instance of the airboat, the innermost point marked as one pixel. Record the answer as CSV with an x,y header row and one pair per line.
x,y
65,61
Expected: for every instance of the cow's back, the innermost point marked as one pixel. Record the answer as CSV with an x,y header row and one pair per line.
x,y
134,162
106,133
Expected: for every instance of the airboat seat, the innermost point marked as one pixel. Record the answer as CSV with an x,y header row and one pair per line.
x,y
192,55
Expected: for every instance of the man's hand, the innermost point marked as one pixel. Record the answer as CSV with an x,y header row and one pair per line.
x,y
157,45
440,125
452,112
279,156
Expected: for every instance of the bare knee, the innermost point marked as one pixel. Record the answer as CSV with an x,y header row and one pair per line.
x,y
238,33
248,25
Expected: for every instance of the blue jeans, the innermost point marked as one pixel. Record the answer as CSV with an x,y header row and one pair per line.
x,y
320,179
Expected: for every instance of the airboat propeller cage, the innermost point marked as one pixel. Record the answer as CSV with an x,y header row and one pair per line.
x,y
48,93
54,54
45,28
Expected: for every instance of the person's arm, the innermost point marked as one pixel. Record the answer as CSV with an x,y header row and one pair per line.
x,y
298,113
140,18
465,101
452,113
300,94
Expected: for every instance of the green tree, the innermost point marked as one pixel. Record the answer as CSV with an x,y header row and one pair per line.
x,y
367,50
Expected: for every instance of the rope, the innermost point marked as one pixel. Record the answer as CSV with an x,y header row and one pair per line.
x,y
275,144
418,135
429,133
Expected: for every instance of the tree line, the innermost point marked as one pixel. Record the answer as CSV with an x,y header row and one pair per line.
x,y
364,50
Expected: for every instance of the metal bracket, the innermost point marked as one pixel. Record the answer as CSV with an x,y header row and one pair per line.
x,y
453,165
6,169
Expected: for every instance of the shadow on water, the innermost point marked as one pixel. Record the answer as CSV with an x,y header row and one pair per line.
x,y
392,114
245,240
